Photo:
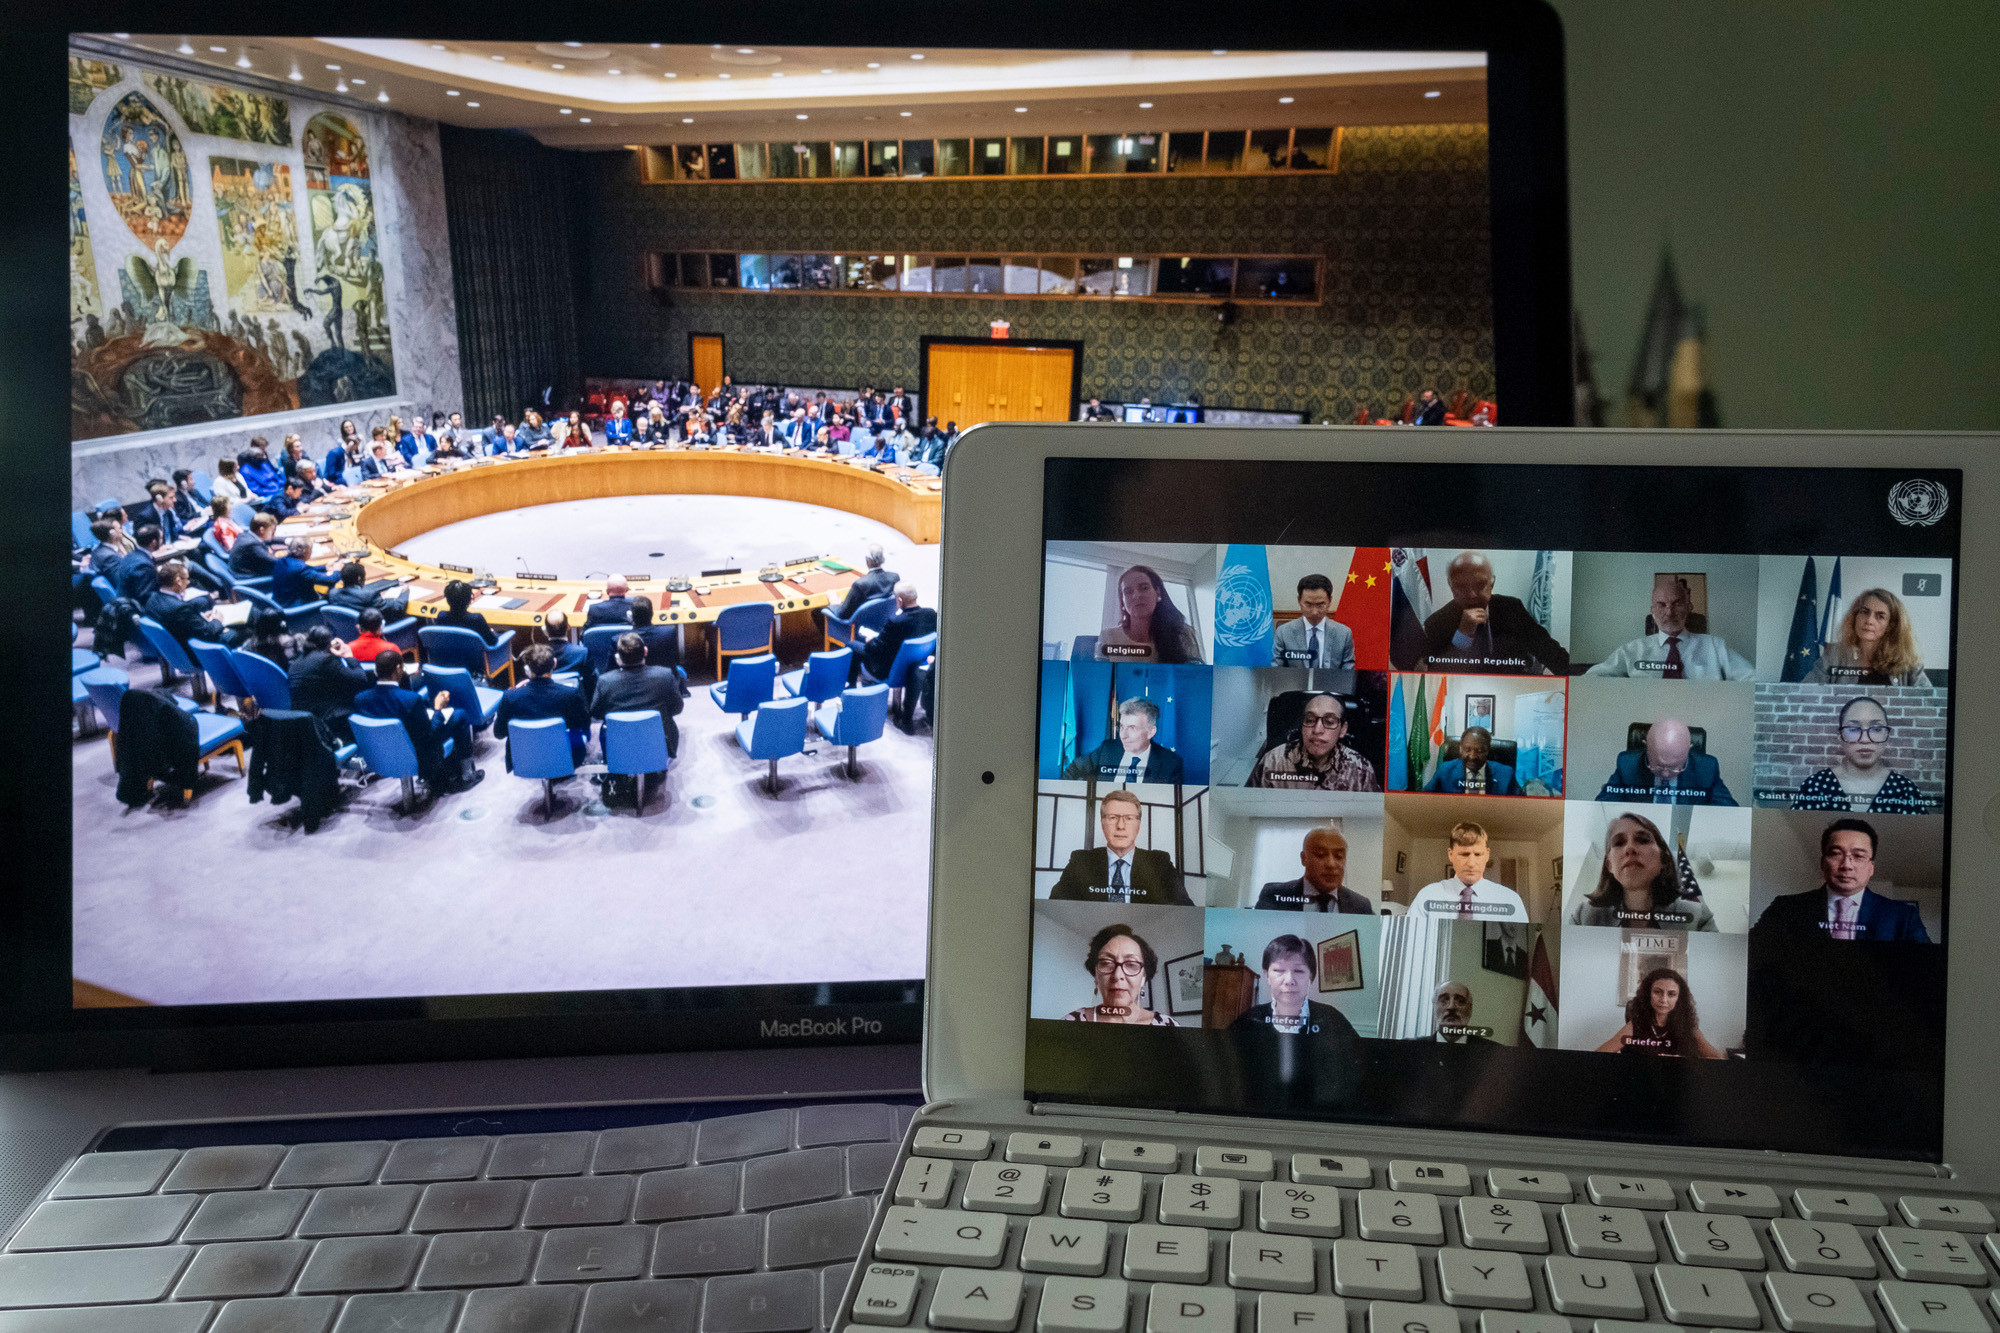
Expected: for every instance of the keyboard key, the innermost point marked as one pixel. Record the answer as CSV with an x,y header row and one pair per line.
x,y
1235,1163
1298,1210
1714,1241
203,1170
1113,1196
642,1307
641,1148
1082,1305
90,1277
803,1176
520,1310
816,1233
763,1303
255,1268
470,1205
1166,1254
359,1210
967,1299
1053,1245
1411,1219
1931,1256
868,1167
1495,1322
401,1312
360,1263
1917,1308
436,1159
283,1314
1818,1304
1190,1201
730,1137
941,1236
477,1259
1856,1206
847,1122
709,1245
331,1164
692,1191
1832,1248
540,1155
1745,1200
1608,1233
1945,1214
1632,1191
999,1187
1283,1312
180,1317
1399,1317
1139,1155
1541,1186
1045,1149
92,1224
1705,1296
102,1175
593,1254
265,1215
925,1182
968,1145
1490,1280
1429,1177
1317,1169
1376,1272
1593,1288
1172,1308
579,1202
888,1295
1501,1224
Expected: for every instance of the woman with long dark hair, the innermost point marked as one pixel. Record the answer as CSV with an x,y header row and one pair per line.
x,y
1639,883
1661,1020
1150,627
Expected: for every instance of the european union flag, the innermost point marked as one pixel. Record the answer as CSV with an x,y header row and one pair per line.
x,y
1243,608
1802,648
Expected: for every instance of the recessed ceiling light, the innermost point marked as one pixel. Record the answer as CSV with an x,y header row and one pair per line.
x,y
340,85
687,120
474,105
874,64
451,92
566,111
1019,109
802,115
499,57
1284,99
333,67
1145,106
361,80
572,44
243,61
220,50
382,96
185,49
585,120
558,67
916,55
295,76
1434,93
905,113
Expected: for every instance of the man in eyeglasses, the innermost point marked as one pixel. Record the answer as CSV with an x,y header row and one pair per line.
x,y
1843,907
1316,757
1121,871
1667,771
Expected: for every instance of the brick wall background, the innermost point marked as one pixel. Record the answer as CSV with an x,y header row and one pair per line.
x,y
1796,734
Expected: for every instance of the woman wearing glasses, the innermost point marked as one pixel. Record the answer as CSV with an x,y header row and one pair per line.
x,y
1122,966
1860,779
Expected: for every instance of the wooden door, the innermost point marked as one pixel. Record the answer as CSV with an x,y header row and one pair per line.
x,y
705,352
1226,993
973,382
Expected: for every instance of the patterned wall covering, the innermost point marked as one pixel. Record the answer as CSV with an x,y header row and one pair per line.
x,y
1403,227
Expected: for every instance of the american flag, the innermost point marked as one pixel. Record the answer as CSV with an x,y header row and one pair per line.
x,y
1690,886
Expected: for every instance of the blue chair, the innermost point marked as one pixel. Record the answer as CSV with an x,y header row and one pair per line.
x,y
908,658
79,703
385,748
174,659
1083,648
110,507
218,568
241,513
447,645
220,665
570,678
751,682
203,486
82,660
345,623
79,530
744,631
214,733
264,679
929,470
540,749
855,721
778,729
823,677
298,619
635,744
599,641
871,615
476,701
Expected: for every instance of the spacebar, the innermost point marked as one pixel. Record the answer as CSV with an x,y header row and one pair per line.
x,y
182,1317
89,1277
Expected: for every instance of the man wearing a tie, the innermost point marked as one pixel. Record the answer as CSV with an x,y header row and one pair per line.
x,y
1121,871
1843,907
1667,771
1314,639
1322,888
1672,652
1130,756
1468,895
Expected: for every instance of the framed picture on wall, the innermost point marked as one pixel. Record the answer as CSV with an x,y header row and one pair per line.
x,y
1504,949
1479,711
1340,962
1184,985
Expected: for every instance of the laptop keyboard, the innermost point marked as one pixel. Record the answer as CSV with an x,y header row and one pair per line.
x,y
738,1224
993,1231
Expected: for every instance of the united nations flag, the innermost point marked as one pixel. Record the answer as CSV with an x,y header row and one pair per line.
x,y
1243,608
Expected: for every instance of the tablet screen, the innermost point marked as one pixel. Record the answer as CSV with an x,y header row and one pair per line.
x,y
1578,800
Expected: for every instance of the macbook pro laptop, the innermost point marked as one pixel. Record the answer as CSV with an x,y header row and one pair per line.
x,y
1423,881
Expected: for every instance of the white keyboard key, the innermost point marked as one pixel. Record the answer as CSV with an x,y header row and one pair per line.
x,y
1832,1248
1541,1186
1298,1210
1045,1149
1397,1317
1283,1312
924,1183
1713,1241
995,1187
1495,1322
1326,1169
1593,1288
969,1145
1931,1256
988,1302
1176,1309
1490,1281
1272,1263
888,1295
1429,1177
1608,1233
1917,1308
1166,1254
1818,1304
1190,1201
1235,1163
1412,1219
1712,1196
1705,1296
1945,1214
1139,1155
941,1236
1632,1191
1082,1305
1856,1206
1054,1245
1111,1196
1503,1224
1377,1272
1993,1256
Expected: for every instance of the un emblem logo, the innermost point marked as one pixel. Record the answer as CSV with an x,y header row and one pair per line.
x,y
1918,502
1242,608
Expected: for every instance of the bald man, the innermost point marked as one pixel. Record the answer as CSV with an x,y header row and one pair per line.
x,y
1667,771
1323,886
1451,1014
1672,651
1485,632
614,608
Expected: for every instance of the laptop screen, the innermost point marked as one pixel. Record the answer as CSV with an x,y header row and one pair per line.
x,y
1572,800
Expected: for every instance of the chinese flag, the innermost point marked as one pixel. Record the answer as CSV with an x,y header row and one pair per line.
x,y
1363,607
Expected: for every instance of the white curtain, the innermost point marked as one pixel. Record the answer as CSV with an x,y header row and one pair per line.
x,y
1416,958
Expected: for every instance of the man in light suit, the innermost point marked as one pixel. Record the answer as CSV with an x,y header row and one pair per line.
x,y
1130,756
1844,907
1473,771
1667,771
1322,888
1314,640
1671,652
1118,872
877,582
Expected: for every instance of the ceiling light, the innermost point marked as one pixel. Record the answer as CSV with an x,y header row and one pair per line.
x,y
916,55
1145,106
340,86
558,67
184,48
1434,93
473,105
906,113
687,120
243,61
1019,109
746,50
874,64
220,50
584,119
333,67
451,92
295,76
802,115
566,111
1285,100
382,96
499,57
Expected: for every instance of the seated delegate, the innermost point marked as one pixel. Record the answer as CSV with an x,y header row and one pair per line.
x,y
1661,1020
1473,773
1860,774
1451,1018
458,615
1843,907
1121,967
1130,756
1671,651
1315,639
1150,628
1639,883
542,696
1667,771
429,722
1120,871
1291,970
1482,631
633,685
1877,646
1316,757
1322,888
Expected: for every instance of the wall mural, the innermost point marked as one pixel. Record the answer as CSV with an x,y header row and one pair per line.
x,y
206,108
350,269
88,78
86,302
146,171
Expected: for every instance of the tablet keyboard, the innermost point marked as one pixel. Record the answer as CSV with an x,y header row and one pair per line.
x,y
738,1224
993,1231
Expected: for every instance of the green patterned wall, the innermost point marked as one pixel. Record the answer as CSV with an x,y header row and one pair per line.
x,y
1402,226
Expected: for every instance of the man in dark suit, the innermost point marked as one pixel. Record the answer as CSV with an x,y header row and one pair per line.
x,y
294,582
1843,907
910,622
107,553
251,557
1667,771
663,642
352,592
135,576
325,680
634,685
1451,1011
429,726
159,510
457,613
1480,630
183,617
1130,756
1473,771
900,402
1323,887
542,696
340,458
1119,872
1430,409
877,582
614,608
